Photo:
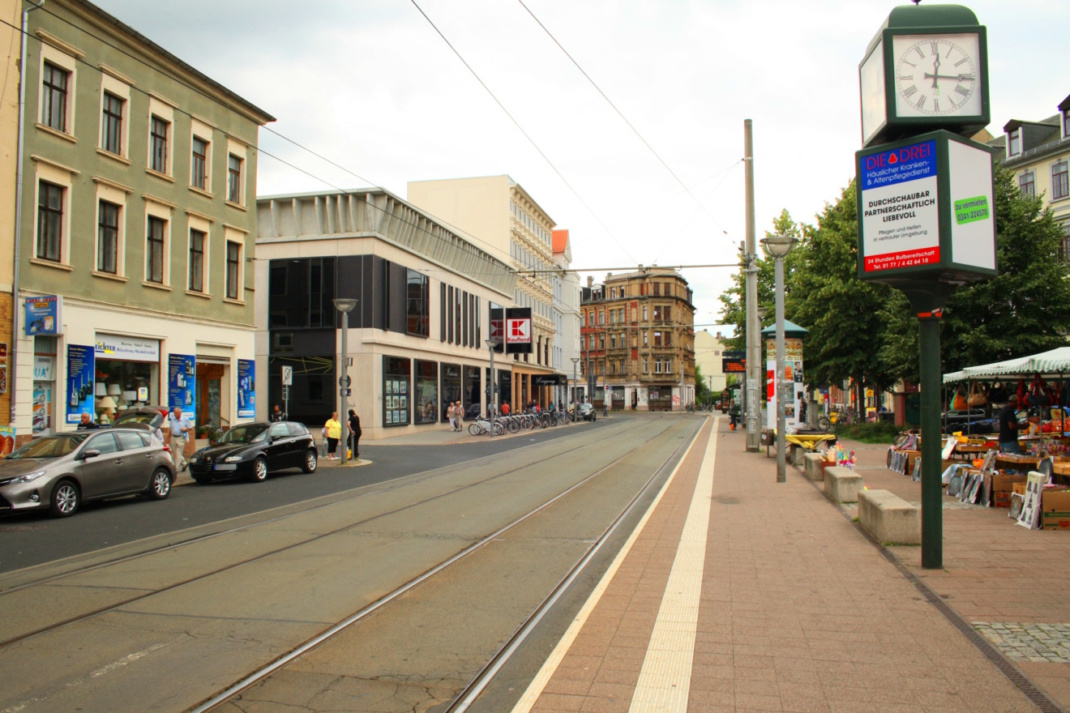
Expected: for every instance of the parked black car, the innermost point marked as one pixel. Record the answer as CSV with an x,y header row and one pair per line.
x,y
252,450
587,412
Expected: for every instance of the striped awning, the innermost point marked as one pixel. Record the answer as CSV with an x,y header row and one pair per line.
x,y
1056,361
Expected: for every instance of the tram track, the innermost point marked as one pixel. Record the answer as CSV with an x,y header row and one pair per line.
x,y
470,691
203,575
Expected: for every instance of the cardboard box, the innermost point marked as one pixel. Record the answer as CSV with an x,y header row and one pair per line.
x,y
1055,509
1019,488
1003,486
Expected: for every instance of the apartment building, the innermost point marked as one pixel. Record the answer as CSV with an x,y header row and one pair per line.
x,y
501,217
638,341
137,173
1039,154
567,317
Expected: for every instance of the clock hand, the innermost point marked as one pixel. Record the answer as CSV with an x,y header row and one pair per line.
x,y
934,77
936,70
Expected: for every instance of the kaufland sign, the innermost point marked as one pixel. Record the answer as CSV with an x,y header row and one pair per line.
x,y
518,331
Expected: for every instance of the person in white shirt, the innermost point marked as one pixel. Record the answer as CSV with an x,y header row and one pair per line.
x,y
180,427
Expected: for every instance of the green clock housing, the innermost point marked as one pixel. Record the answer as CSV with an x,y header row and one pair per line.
x,y
926,69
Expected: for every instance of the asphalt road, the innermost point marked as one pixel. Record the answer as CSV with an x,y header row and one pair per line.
x,y
28,539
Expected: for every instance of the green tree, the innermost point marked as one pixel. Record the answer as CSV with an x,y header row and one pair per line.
x,y
1022,311
842,312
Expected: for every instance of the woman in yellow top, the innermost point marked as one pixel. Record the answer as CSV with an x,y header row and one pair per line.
x,y
333,430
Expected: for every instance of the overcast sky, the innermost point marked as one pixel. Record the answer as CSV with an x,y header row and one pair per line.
x,y
371,85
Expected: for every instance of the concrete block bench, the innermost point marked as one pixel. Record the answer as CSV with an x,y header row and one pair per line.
x,y
842,485
796,454
889,518
814,467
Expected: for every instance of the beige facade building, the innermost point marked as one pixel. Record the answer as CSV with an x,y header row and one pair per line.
x,y
9,151
709,355
502,218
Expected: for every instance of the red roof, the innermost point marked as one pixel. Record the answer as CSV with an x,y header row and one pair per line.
x,y
560,241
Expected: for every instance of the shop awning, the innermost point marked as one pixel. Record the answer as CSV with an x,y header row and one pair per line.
x,y
1056,361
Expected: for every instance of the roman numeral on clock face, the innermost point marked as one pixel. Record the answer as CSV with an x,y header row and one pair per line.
x,y
921,102
910,91
962,90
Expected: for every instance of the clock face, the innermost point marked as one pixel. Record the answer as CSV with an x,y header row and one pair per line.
x,y
937,75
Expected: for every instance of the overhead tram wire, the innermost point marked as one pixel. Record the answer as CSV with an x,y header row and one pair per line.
x,y
621,115
522,131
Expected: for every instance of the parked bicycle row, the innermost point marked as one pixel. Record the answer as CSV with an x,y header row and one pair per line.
x,y
499,424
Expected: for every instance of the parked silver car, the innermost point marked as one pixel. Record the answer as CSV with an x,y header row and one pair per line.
x,y
62,471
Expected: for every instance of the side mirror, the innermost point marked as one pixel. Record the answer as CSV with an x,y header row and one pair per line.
x,y
91,453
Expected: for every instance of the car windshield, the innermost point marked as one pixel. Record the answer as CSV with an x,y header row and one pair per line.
x,y
50,447
245,434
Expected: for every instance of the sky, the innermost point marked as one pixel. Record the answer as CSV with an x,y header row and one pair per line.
x,y
373,87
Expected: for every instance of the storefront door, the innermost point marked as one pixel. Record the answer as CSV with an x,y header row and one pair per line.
x,y
209,399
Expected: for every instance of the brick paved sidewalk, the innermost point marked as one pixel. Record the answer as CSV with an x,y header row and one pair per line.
x,y
798,612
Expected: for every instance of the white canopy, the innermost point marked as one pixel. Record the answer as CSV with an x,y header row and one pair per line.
x,y
1056,361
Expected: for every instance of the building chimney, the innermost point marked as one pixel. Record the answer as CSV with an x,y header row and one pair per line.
x,y
590,281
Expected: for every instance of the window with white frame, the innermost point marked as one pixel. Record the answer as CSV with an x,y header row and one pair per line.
x,y
155,245
198,244
1060,185
234,287
51,204
55,87
1027,183
108,217
1065,244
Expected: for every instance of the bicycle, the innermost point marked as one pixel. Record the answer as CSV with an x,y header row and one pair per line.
x,y
484,427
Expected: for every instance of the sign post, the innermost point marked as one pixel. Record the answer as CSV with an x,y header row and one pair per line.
x,y
926,220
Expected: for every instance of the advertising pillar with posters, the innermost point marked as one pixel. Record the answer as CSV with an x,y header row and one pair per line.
x,y
181,380
793,375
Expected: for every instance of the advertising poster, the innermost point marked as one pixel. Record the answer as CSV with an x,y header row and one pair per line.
x,y
246,388
181,380
80,362
44,314
900,217
7,440
3,367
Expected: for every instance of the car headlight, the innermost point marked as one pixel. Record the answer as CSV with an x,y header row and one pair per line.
x,y
28,477
232,459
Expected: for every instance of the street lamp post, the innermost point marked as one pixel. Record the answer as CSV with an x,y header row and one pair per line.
x,y
779,246
492,397
575,364
345,306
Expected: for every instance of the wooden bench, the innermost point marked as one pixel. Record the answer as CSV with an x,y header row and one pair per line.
x,y
814,466
889,518
842,485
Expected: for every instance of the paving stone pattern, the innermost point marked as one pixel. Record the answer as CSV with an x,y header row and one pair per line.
x,y
1038,643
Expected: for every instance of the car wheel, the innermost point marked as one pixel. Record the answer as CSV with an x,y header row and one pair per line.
x,y
260,469
160,487
65,499
310,462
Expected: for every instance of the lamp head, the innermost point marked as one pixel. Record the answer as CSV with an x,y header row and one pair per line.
x,y
344,304
492,343
779,245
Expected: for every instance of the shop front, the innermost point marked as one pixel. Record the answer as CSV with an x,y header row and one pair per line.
x,y
122,372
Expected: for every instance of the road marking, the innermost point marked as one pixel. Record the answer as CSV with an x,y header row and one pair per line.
x,y
126,660
665,680
538,684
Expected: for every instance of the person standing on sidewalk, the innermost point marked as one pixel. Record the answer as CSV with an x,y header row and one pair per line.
x,y
1008,426
458,416
451,414
333,431
180,427
354,433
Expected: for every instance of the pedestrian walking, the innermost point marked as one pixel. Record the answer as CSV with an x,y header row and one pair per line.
x,y
276,413
451,414
86,424
180,427
458,416
354,433
333,431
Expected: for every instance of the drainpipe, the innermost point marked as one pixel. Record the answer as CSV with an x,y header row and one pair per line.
x,y
13,361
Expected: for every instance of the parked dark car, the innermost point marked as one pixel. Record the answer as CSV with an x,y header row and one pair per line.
x,y
587,412
253,450
61,472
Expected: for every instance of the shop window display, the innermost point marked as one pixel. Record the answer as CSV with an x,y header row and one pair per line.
x,y
426,373
124,384
396,392
451,388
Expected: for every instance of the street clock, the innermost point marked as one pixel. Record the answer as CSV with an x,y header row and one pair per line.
x,y
926,69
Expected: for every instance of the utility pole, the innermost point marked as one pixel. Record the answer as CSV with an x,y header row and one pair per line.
x,y
750,259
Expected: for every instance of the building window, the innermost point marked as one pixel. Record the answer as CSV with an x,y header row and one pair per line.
x,y
54,97
601,317
668,339
1014,143
234,171
233,270
199,163
646,366
154,250
158,145
111,132
601,341
418,306
657,289
657,366
1066,123
1026,184
49,221
196,260
612,341
644,313
1060,186
108,238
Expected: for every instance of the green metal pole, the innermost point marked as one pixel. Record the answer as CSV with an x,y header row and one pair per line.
x,y
932,532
